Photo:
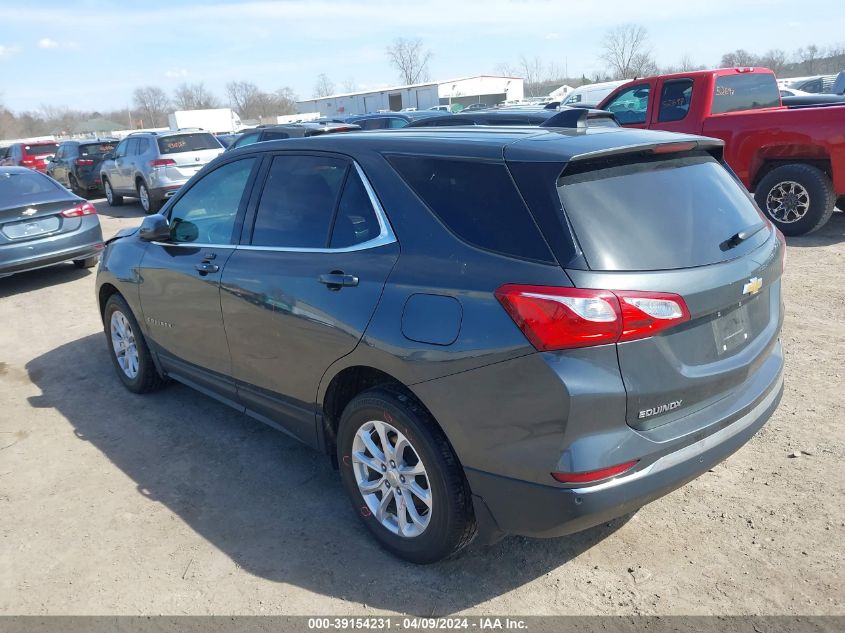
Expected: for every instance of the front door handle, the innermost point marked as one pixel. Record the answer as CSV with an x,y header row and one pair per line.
x,y
205,268
336,280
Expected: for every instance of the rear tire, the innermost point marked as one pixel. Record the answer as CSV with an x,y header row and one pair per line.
x,y
433,518
88,262
74,186
149,205
129,352
113,199
798,198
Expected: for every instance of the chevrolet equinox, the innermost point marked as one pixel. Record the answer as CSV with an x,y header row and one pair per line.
x,y
489,330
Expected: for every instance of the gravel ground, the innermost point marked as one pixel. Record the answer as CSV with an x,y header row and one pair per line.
x,y
112,503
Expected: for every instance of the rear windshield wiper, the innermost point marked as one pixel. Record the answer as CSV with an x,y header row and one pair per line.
x,y
738,238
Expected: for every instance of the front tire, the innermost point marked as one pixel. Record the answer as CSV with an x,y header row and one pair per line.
x,y
113,199
405,481
149,205
798,198
129,352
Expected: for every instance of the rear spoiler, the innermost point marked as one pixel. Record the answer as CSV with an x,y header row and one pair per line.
x,y
577,118
713,146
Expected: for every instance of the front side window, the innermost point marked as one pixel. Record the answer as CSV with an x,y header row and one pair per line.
x,y
630,106
121,148
206,213
247,139
132,147
675,100
298,201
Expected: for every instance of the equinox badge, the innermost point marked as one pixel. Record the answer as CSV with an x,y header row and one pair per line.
x,y
753,286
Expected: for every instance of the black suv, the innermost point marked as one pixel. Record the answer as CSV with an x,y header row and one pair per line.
x,y
290,130
494,330
76,164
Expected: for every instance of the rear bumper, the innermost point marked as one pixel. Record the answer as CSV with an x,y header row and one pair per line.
x,y
531,509
81,244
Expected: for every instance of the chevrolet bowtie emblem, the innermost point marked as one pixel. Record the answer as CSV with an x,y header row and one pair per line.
x,y
29,212
753,286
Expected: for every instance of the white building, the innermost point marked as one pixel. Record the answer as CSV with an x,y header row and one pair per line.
x,y
487,89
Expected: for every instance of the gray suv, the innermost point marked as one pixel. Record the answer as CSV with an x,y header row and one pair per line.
x,y
151,166
495,330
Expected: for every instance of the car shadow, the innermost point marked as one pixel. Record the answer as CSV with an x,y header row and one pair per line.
x,y
831,233
274,507
126,210
41,278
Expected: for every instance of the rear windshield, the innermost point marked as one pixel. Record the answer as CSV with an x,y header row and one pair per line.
x,y
187,143
745,92
657,214
40,150
20,186
96,149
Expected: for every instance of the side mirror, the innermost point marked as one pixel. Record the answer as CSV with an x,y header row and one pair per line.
x,y
154,228
109,156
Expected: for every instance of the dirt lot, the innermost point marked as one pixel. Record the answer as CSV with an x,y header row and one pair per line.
x,y
112,503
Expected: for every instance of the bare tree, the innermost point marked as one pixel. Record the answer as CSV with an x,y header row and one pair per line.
x,y
153,105
739,57
285,101
194,97
324,86
349,85
808,56
243,97
409,59
774,59
627,52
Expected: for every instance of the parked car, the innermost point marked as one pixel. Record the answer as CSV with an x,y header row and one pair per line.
x,y
391,120
151,166
227,139
792,92
42,224
548,118
816,84
789,157
76,164
591,94
289,130
475,106
605,330
32,155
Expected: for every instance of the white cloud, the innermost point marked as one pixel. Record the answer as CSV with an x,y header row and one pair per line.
x,y
7,51
176,74
46,42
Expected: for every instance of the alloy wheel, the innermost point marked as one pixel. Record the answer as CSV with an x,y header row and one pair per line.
x,y
124,344
109,193
144,195
788,202
392,479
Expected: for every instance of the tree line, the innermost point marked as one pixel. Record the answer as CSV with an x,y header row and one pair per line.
x,y
626,53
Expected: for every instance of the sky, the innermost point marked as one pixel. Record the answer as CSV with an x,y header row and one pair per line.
x,y
91,54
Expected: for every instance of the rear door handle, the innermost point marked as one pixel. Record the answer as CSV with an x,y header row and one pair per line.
x,y
205,268
336,280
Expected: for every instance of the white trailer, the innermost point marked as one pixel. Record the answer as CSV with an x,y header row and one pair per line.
x,y
217,120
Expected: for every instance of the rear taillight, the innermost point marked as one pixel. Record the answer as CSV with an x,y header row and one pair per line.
x,y
592,476
162,162
85,208
28,160
563,318
83,161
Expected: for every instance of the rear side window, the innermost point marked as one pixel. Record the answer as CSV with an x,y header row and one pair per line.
x,y
298,202
477,201
187,143
735,93
356,220
657,214
674,100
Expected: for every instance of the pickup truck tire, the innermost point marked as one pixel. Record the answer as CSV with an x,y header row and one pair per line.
x,y
798,198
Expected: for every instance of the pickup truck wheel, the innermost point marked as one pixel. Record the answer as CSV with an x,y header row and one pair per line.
x,y
403,478
798,198
114,200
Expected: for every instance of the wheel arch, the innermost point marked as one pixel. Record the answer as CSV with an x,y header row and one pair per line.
x,y
103,294
770,164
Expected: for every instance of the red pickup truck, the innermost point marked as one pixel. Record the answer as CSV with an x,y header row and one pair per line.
x,y
793,160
